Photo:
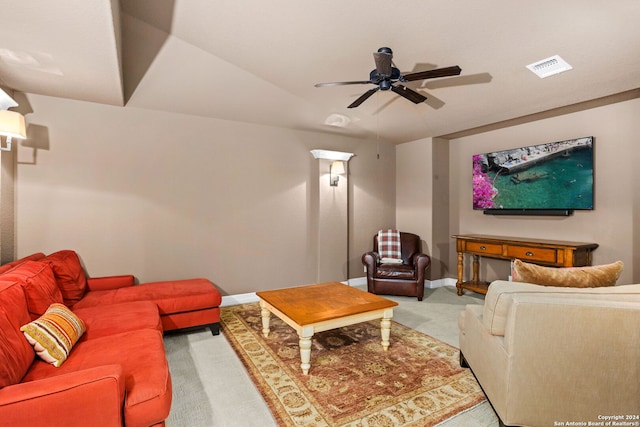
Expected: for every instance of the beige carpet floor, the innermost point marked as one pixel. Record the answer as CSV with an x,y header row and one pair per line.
x,y
212,388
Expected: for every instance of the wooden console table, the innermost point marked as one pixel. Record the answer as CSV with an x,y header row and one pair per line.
x,y
555,253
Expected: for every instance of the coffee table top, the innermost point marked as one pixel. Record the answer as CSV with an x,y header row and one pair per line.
x,y
310,304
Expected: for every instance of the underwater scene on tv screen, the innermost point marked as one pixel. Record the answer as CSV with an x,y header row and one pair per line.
x,y
557,175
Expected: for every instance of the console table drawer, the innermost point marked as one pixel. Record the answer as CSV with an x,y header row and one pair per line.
x,y
484,248
533,254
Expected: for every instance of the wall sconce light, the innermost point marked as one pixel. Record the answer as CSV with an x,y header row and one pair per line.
x,y
337,166
331,155
335,170
11,126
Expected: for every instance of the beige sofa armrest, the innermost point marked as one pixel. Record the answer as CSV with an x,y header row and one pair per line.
x,y
499,298
572,358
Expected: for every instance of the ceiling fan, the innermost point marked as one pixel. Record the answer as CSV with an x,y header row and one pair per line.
x,y
386,77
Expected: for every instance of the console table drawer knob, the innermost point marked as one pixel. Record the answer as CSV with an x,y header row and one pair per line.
x,y
529,253
483,247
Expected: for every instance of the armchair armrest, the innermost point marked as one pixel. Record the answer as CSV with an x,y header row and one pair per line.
x,y
110,282
421,261
92,396
371,260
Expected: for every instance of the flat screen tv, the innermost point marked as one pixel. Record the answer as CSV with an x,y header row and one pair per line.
x,y
555,178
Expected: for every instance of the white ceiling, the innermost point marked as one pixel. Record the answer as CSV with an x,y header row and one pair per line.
x,y
257,61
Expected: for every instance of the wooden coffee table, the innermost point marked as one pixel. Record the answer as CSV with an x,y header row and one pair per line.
x,y
316,308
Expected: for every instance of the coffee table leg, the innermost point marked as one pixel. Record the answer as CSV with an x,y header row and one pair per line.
x,y
266,318
385,329
305,335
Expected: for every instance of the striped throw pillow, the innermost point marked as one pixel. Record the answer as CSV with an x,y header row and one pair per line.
x,y
54,333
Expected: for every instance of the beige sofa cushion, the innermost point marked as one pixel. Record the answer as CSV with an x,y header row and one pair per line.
x,y
499,298
575,277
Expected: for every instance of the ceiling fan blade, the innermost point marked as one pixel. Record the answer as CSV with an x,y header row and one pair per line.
x,y
383,63
431,74
409,94
357,82
363,97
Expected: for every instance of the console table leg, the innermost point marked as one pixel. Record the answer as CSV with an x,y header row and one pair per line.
x,y
476,269
460,270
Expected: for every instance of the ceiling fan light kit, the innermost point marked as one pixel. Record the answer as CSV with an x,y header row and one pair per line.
x,y
337,120
385,76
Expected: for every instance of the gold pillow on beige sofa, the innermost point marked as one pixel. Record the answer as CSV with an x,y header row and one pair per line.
x,y
574,277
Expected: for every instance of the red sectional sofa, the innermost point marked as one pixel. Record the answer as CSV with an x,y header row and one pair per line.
x,y
116,373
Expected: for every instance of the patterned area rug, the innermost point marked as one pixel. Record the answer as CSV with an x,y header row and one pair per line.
x,y
352,381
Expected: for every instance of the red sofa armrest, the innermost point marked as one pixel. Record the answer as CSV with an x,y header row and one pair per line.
x,y
89,397
110,282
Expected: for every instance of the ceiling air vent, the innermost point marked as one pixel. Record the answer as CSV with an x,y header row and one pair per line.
x,y
550,66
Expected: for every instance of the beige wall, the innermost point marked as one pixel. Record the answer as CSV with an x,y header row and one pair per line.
x,y
434,190
331,226
422,198
613,224
414,193
167,196
372,185
7,202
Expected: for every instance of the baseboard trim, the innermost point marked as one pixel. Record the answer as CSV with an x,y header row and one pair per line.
x,y
358,281
238,299
439,283
251,297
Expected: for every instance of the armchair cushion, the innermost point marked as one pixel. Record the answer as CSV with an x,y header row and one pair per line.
x,y
395,271
69,274
576,277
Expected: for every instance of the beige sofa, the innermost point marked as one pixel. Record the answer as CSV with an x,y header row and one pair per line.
x,y
549,356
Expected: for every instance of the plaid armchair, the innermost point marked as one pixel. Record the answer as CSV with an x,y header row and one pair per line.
x,y
406,279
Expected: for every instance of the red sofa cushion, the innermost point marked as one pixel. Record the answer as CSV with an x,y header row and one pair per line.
x,y
39,284
171,297
15,352
144,365
101,321
69,274
33,257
